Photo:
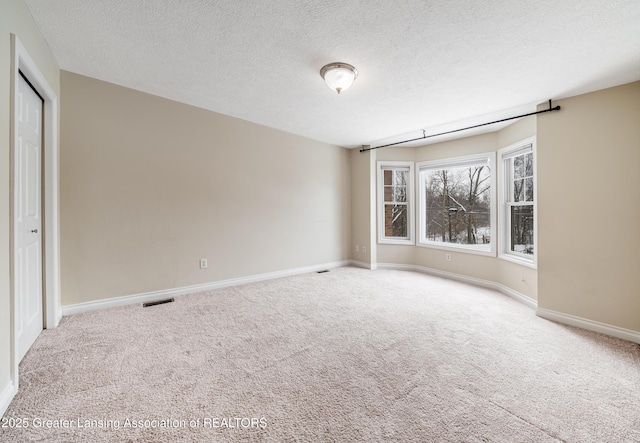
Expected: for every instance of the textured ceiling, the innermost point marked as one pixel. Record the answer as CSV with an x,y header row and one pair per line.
x,y
423,64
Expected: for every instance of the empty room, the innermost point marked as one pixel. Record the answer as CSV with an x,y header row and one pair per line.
x,y
320,221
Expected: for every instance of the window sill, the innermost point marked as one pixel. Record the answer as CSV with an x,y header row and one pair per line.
x,y
390,241
524,261
461,249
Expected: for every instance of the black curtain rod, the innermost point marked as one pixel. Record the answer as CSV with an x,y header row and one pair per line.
x,y
424,135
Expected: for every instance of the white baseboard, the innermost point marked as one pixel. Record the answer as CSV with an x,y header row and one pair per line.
x,y
591,325
159,295
6,396
516,295
614,331
464,279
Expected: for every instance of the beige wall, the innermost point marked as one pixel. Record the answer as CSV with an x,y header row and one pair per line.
x,y
589,207
521,129
150,186
14,18
362,228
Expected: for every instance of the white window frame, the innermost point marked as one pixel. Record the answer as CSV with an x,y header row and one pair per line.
x,y
487,158
397,165
504,210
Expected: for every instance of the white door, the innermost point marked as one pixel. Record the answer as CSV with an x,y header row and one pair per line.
x,y
28,218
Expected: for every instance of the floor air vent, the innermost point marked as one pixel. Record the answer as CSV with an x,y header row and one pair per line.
x,y
159,302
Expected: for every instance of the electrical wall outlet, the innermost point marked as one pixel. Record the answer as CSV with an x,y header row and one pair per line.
x,y
447,257
203,263
357,248
364,249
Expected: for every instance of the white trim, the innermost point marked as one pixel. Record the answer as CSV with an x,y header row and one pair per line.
x,y
457,162
22,61
590,325
504,225
515,149
159,295
519,259
6,397
506,290
464,279
390,165
458,247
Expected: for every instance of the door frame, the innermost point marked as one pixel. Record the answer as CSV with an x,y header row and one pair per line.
x,y
52,313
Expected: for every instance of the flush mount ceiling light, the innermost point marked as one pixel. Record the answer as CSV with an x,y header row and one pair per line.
x,y
339,76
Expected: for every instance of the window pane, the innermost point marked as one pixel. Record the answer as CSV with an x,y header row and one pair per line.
x,y
395,193
388,177
458,201
528,160
529,189
395,221
388,192
400,194
518,190
522,229
518,167
400,178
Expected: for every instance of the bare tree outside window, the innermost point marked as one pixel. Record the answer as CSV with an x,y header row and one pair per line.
x,y
517,202
521,202
458,205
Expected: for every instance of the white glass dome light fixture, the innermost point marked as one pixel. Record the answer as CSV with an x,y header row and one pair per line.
x,y
339,76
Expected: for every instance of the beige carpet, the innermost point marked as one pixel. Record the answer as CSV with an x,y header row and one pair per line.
x,y
346,356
